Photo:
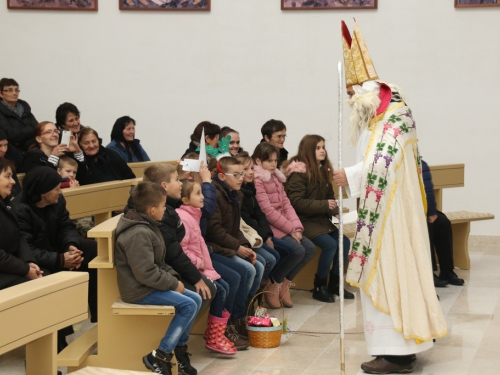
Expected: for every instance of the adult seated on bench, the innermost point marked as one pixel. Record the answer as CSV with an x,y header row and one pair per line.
x,y
17,263
52,236
4,147
440,236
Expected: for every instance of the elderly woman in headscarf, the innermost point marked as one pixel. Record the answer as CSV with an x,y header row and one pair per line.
x,y
52,236
16,120
17,262
123,141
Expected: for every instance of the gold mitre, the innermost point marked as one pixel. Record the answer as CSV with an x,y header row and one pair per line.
x,y
359,66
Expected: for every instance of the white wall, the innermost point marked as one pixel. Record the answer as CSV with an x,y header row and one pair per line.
x,y
247,61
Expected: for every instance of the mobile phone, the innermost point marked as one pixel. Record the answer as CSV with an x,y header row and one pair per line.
x,y
65,138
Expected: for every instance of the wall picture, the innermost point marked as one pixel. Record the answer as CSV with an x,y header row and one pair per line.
x,y
327,4
476,3
53,4
165,5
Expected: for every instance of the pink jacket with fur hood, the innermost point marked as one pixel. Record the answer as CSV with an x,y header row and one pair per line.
x,y
274,202
193,243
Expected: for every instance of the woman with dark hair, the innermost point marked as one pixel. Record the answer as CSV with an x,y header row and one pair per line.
x,y
124,143
68,118
4,147
212,132
17,262
16,120
100,164
47,150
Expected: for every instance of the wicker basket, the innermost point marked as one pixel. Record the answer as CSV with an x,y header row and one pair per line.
x,y
264,337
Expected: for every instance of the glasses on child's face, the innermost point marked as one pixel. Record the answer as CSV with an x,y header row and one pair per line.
x,y
236,175
51,131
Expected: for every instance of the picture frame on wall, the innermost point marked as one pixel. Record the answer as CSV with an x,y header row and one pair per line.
x,y
175,5
476,3
86,5
328,4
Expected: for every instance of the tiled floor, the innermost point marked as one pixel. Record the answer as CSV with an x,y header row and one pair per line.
x,y
471,347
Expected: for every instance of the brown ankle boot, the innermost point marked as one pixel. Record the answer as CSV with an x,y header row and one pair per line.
x,y
285,293
273,295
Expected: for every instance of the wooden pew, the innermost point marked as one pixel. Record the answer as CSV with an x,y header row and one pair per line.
x,y
125,332
31,314
138,168
99,200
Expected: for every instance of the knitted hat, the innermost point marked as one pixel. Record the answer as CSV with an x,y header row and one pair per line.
x,y
38,181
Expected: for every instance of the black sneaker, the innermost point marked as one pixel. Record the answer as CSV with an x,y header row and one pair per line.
x,y
158,362
184,362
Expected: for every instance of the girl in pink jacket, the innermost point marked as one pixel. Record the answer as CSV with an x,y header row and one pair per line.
x,y
195,248
283,220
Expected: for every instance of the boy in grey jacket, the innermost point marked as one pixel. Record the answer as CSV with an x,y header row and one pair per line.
x,y
144,277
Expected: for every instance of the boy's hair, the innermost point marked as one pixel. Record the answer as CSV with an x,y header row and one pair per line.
x,y
67,160
271,127
224,164
158,173
244,157
148,194
187,188
264,151
323,171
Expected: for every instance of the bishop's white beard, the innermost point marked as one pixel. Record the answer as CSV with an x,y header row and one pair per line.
x,y
364,104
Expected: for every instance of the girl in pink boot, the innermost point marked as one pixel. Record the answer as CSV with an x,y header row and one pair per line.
x,y
194,246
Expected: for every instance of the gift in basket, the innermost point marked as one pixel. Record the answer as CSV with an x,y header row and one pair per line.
x,y
264,331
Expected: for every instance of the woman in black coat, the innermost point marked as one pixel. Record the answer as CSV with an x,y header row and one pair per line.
x,y
45,224
100,164
17,263
16,120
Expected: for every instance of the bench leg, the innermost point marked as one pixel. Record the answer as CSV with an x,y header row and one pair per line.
x,y
461,245
41,356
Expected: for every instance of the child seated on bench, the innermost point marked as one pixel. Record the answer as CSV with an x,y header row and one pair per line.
x,y
67,167
144,278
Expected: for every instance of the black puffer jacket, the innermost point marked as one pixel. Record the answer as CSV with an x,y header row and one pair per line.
x,y
107,165
252,214
48,231
19,130
173,232
15,253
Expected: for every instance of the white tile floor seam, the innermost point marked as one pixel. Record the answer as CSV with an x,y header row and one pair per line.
x,y
472,313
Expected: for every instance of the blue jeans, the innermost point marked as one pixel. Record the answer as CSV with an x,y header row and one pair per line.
x,y
329,253
186,308
271,257
299,255
233,280
250,279
219,301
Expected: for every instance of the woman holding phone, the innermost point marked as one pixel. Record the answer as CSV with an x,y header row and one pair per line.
x,y
47,150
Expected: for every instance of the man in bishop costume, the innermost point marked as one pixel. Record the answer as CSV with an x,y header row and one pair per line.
x,y
390,256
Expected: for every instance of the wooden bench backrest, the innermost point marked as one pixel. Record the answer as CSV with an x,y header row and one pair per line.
x,y
138,168
53,302
105,235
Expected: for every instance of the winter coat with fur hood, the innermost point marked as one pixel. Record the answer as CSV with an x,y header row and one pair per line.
x,y
310,200
274,202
